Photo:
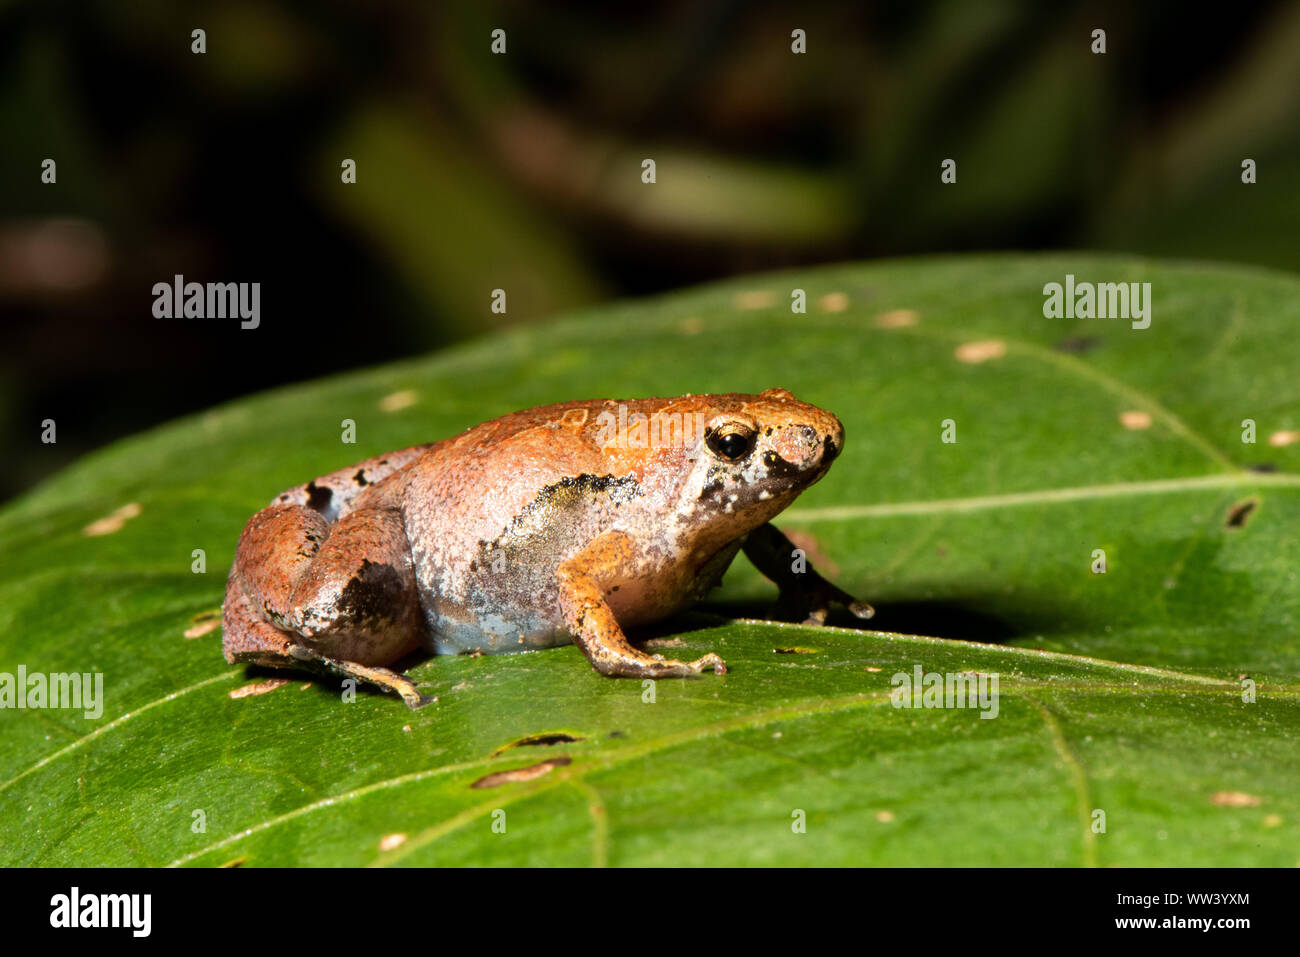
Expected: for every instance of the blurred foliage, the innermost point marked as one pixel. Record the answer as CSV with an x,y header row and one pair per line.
x,y
522,171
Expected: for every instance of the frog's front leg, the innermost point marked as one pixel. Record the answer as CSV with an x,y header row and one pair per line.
x,y
583,580
805,593
339,599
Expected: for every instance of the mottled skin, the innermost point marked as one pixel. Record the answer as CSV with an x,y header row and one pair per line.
x,y
535,529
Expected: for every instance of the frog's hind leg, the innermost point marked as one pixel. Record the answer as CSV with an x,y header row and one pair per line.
x,y
250,640
337,599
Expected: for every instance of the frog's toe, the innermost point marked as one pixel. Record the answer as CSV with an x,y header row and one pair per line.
x,y
415,700
709,661
861,609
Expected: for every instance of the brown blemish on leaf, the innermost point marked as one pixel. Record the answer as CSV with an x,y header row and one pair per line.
x,y
515,775
1273,820
692,326
795,651
399,400
203,623
237,862
1077,345
1286,437
1240,513
113,521
542,739
897,319
833,302
873,668
1135,419
982,350
755,299
390,841
1234,799
884,817
262,687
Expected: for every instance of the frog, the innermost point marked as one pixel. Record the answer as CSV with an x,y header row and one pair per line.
x,y
567,523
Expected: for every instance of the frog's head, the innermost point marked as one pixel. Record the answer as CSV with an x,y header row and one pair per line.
x,y
756,454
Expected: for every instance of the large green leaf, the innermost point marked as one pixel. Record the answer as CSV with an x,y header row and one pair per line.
x,y
1121,692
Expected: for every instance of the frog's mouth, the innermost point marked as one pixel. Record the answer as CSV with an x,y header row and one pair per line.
x,y
830,452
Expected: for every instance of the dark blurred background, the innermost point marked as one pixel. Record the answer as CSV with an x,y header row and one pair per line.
x,y
477,171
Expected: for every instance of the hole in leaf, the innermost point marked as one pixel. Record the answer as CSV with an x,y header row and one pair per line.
x,y
1240,513
542,739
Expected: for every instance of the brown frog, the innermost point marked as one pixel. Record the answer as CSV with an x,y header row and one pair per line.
x,y
566,523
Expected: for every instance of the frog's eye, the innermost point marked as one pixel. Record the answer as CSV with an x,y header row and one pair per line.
x,y
731,443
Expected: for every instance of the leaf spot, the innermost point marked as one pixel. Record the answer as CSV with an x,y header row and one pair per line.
x,y
1135,419
398,400
114,521
833,302
390,841
1286,437
530,773
897,319
1077,345
1234,799
203,623
755,299
262,687
981,351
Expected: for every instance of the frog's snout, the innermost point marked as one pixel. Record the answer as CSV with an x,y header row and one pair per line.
x,y
809,447
830,439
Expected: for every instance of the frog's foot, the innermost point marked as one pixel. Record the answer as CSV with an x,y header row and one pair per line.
x,y
657,666
593,625
814,602
337,599
381,678
804,593
251,640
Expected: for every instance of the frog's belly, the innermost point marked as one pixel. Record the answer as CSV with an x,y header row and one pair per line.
x,y
492,628
493,635
507,613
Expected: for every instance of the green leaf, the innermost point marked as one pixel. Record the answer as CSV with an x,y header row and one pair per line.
x,y
1118,692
